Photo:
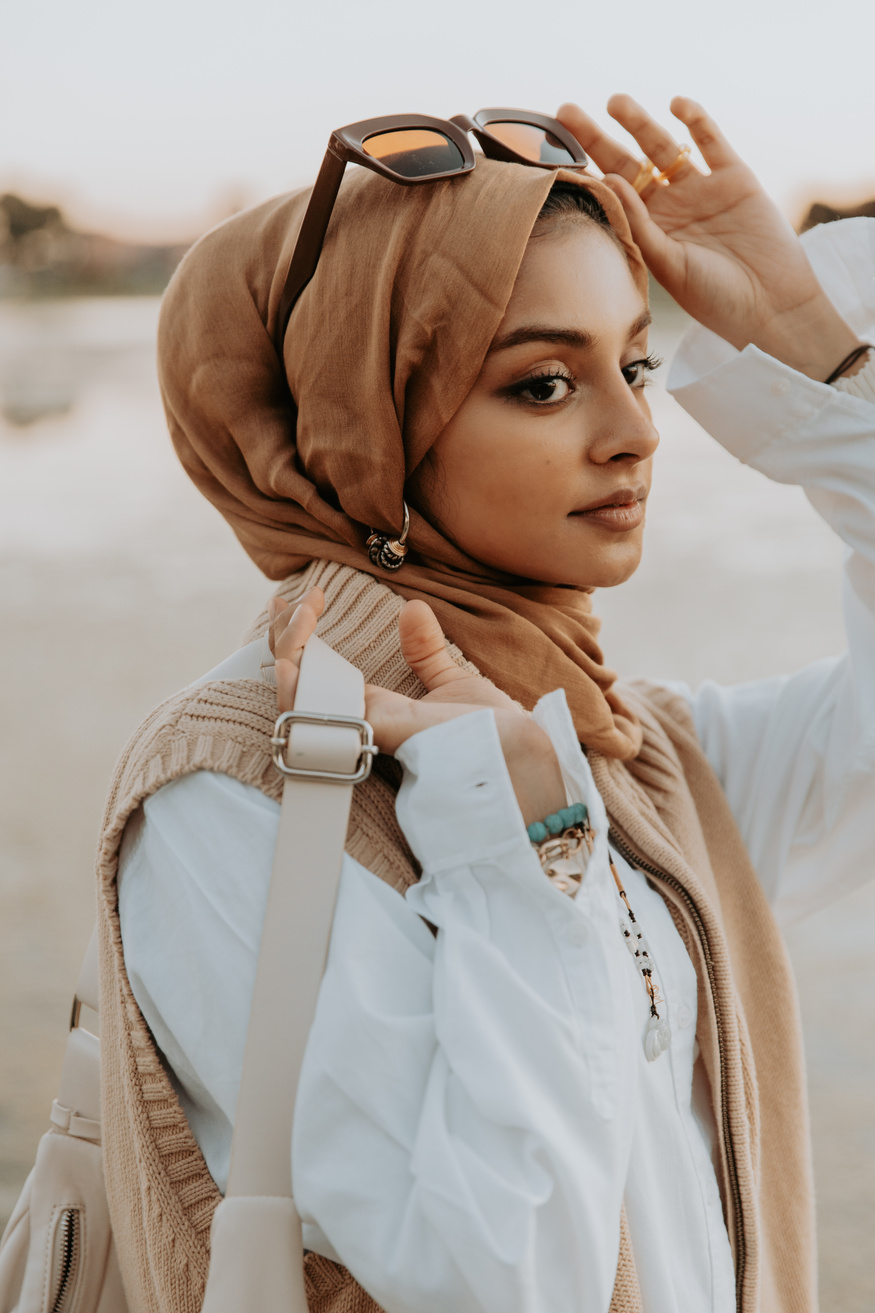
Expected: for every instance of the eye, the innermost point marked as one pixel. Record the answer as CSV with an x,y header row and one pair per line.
x,y
543,389
636,372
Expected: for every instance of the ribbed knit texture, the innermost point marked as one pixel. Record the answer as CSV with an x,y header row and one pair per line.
x,y
667,805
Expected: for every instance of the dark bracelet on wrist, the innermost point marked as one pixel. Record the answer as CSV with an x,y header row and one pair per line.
x,y
848,361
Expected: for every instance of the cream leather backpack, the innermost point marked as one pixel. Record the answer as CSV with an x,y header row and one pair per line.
x,y
57,1253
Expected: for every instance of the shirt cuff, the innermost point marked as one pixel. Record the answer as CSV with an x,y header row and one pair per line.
x,y
746,399
861,384
753,400
842,256
456,804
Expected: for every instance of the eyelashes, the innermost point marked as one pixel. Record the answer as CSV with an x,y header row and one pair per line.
x,y
638,368
542,387
553,385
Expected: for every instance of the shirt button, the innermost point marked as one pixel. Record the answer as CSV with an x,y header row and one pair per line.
x,y
780,387
685,1016
576,934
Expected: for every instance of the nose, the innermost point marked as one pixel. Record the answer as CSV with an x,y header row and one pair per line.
x,y
624,432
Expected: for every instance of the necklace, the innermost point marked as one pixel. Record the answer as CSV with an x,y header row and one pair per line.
x,y
658,1034
564,843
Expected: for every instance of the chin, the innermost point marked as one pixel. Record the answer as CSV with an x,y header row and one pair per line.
x,y
609,577
598,567
612,578
611,569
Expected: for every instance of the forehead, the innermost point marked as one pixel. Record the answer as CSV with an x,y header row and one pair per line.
x,y
576,276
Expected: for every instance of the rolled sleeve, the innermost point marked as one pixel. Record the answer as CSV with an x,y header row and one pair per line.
x,y
456,804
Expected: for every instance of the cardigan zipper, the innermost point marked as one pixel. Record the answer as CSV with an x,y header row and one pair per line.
x,y
635,860
67,1258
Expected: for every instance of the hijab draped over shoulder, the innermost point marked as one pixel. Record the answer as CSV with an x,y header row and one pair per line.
x,y
305,452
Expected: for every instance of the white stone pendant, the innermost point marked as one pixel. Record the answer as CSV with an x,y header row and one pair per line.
x,y
657,1038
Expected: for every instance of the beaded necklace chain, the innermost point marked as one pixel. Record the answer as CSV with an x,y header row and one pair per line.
x,y
658,1034
564,842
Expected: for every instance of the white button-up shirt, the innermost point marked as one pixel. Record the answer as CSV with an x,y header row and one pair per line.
x,y
475,1107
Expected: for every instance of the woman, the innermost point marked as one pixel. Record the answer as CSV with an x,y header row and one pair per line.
x,y
512,1112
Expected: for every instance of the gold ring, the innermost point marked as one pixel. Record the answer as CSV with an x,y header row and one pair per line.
x,y
645,176
665,177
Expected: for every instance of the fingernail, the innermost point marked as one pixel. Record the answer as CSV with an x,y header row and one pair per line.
x,y
272,608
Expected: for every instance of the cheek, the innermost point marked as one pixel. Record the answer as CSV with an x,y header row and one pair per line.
x,y
495,455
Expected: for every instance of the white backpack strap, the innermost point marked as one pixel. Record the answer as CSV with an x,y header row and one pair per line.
x,y
326,756
87,986
76,1110
323,747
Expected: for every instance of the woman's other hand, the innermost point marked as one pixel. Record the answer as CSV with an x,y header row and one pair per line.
x,y
716,242
531,761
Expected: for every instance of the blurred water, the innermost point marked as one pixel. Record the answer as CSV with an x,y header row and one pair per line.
x,y
118,584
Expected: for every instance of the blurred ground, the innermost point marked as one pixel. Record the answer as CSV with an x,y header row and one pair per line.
x,y
118,585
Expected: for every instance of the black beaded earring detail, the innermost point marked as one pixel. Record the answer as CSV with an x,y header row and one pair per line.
x,y
386,552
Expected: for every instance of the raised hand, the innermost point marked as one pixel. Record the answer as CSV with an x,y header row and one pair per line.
x,y
716,242
531,761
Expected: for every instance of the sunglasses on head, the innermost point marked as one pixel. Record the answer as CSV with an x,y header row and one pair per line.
x,y
413,148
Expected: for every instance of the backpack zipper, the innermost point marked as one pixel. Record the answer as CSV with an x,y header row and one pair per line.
x,y
67,1250
636,861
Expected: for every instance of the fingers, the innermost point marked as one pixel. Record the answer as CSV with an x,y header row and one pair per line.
x,y
716,150
286,673
607,154
424,648
291,630
278,615
657,142
652,242
292,627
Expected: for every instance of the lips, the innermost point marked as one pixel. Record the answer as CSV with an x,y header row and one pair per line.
x,y
621,510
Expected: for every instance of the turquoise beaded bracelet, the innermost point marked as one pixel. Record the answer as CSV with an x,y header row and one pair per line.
x,y
554,824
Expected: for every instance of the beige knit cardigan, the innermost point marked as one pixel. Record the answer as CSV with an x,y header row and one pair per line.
x,y
667,811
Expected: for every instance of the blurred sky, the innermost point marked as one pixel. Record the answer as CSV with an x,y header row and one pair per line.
x,y
153,120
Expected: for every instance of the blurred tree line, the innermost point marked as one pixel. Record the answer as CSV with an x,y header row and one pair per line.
x,y
820,213
41,255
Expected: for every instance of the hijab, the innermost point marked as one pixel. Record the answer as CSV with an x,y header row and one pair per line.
x,y
306,452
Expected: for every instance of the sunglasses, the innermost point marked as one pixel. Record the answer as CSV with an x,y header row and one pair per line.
x,y
413,148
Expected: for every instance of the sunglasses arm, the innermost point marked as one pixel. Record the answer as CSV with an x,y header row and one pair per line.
x,y
311,235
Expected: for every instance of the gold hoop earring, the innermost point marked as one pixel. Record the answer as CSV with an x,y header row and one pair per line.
x,y
386,552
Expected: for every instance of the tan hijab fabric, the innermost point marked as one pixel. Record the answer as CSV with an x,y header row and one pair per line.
x,y
382,348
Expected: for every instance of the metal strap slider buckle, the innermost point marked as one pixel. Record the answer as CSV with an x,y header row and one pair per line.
x,y
280,743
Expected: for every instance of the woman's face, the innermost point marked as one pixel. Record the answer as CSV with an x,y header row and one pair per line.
x,y
544,470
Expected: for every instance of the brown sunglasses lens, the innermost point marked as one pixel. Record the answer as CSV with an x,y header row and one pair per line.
x,y
535,144
414,152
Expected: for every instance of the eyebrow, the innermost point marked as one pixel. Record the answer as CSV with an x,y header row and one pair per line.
x,y
573,337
